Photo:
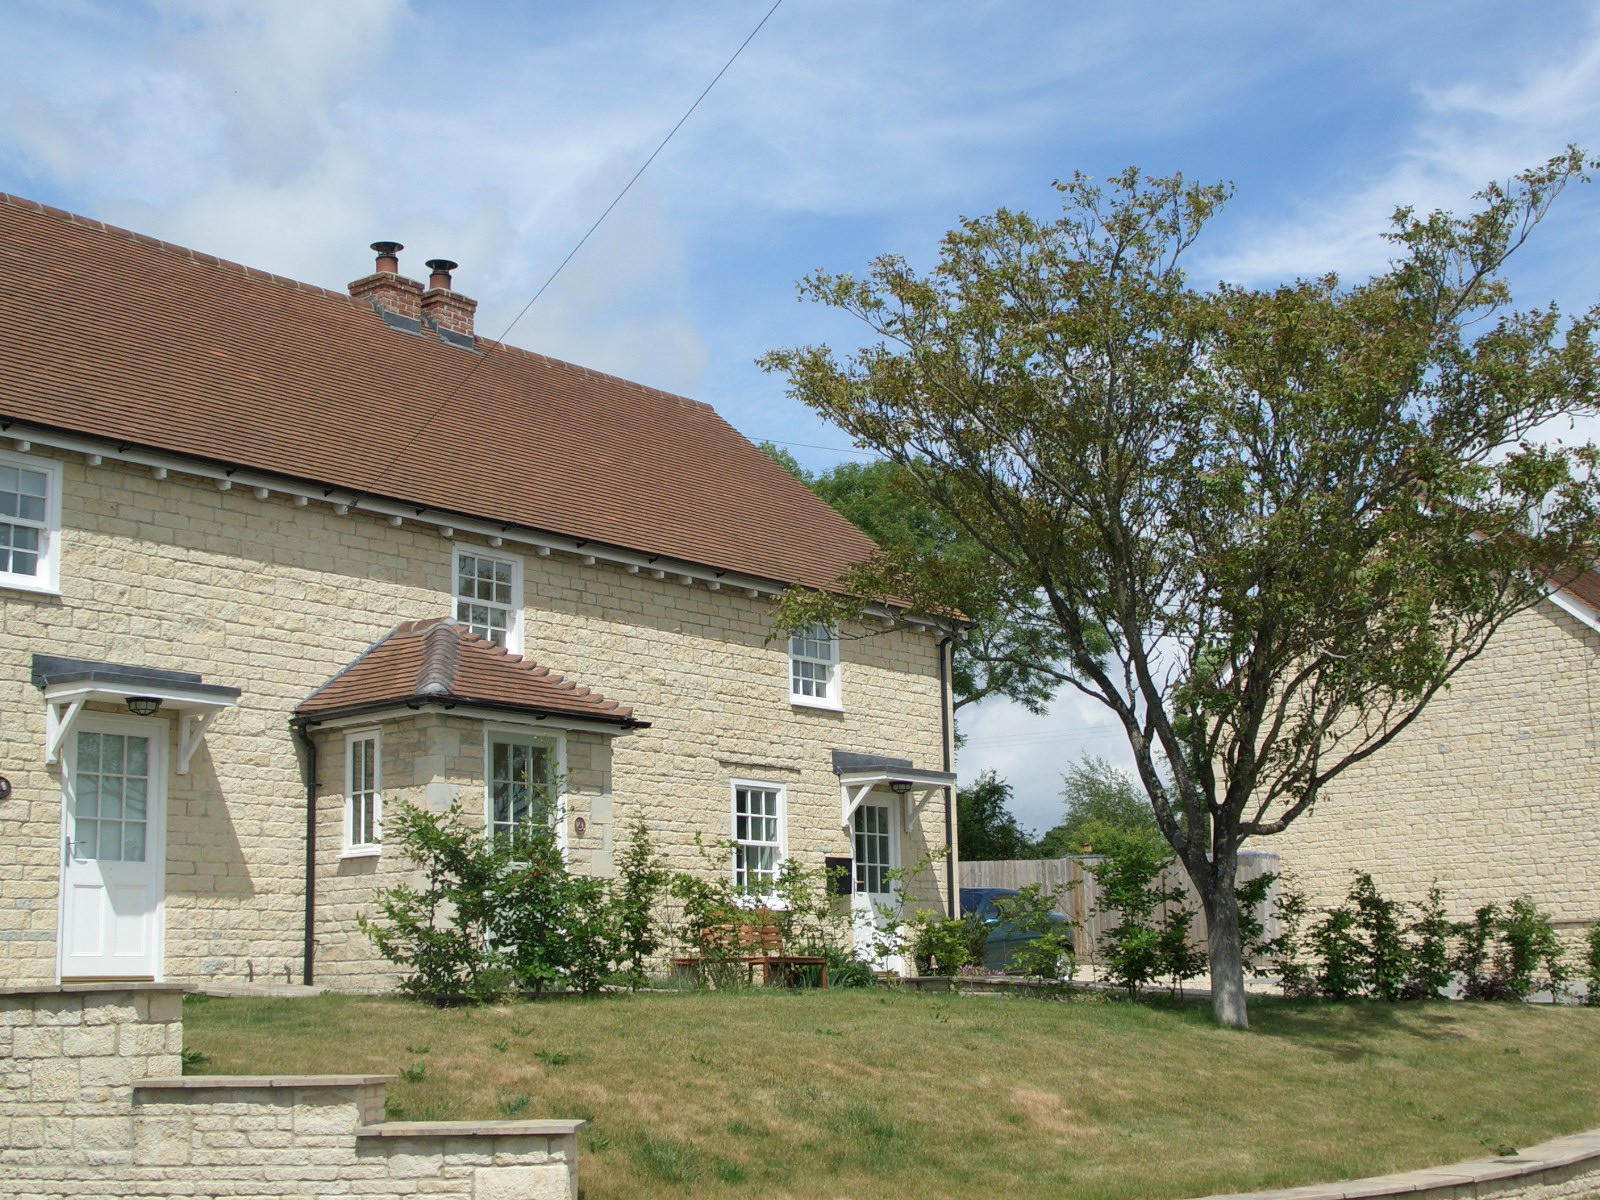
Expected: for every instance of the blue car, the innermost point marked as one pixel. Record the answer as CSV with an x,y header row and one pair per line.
x,y
1004,937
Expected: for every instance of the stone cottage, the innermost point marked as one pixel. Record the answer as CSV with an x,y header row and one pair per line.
x,y
1492,790
274,559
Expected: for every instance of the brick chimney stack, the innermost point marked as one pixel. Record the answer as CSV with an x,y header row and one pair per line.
x,y
386,288
449,310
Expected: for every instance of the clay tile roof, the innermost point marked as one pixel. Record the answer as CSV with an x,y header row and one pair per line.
x,y
119,336
1584,585
439,661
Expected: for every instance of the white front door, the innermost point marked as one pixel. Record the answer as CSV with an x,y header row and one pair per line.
x,y
113,876
874,898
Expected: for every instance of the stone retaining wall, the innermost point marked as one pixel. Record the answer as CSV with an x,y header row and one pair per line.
x,y
1561,1169
93,1104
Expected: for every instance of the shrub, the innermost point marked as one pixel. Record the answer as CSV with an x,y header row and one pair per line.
x,y
493,915
708,907
846,970
1251,897
642,878
1474,959
942,945
1128,876
1591,960
1527,942
810,918
1339,952
1180,960
440,934
1284,953
1430,971
539,912
1502,950
1387,957
1049,954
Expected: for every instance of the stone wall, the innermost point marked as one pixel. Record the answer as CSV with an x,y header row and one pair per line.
x,y
94,1105
1494,791
275,598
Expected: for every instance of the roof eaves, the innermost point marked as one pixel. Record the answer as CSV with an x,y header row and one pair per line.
x,y
222,471
1571,604
465,707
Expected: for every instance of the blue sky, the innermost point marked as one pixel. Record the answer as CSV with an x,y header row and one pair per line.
x,y
289,135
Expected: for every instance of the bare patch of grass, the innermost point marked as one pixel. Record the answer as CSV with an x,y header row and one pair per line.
x,y
841,1093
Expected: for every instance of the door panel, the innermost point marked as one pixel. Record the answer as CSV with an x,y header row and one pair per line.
x,y
114,862
873,899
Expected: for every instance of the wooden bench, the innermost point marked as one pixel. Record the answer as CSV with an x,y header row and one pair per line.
x,y
753,943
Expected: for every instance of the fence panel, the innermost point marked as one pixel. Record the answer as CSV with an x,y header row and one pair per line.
x,y
1080,897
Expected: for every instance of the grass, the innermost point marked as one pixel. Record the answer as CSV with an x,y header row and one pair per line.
x,y
855,1093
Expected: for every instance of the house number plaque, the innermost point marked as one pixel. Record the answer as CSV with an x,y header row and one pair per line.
x,y
578,823
5,788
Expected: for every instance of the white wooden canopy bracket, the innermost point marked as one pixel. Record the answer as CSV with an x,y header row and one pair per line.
x,y
192,728
850,799
60,717
913,809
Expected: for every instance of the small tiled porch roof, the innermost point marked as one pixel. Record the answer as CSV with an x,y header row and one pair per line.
x,y
438,662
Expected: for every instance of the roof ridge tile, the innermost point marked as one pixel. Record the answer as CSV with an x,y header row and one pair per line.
x,y
441,660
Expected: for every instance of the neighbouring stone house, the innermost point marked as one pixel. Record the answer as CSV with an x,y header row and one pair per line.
x,y
1493,790
274,559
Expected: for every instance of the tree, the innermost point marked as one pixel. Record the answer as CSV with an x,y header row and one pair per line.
x,y
1104,808
985,828
1295,512
991,654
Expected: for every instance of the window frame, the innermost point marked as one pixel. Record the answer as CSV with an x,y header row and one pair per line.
x,y
780,846
555,742
513,610
47,578
353,848
890,839
831,690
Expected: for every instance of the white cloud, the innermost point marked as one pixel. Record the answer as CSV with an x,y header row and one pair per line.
x,y
1464,135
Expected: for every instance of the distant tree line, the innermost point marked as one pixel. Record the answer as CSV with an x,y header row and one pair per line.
x,y
1104,810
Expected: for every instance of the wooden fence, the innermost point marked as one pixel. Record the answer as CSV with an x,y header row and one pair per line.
x,y
1080,898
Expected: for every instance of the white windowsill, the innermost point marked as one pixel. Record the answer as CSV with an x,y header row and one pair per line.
x,y
815,702
26,583
361,852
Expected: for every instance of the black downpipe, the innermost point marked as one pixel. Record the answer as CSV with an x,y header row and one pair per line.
x,y
946,652
304,734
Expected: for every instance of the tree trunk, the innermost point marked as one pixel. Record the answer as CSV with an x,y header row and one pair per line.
x,y
1222,940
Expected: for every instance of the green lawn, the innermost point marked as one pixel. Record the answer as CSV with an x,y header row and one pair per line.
x,y
867,1093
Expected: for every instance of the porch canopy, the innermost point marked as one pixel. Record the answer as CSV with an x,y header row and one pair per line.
x,y
441,664
70,683
859,774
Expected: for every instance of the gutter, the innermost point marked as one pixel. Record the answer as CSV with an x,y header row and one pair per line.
x,y
946,723
301,728
416,703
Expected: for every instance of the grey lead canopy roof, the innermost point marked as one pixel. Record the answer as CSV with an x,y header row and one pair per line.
x,y
50,670
849,760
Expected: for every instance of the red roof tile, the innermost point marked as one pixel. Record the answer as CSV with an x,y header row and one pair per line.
x,y
112,334
1583,586
439,661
